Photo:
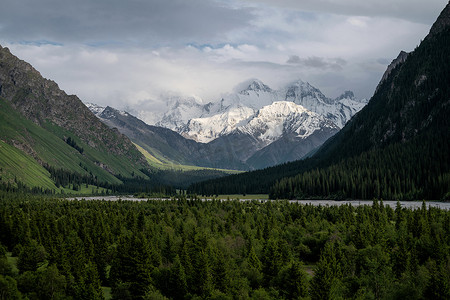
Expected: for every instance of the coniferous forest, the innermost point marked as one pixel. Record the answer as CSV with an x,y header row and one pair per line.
x,y
192,249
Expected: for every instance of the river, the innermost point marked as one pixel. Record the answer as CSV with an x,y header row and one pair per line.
x,y
393,204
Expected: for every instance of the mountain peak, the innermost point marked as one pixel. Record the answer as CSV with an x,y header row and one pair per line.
x,y
257,86
346,95
191,101
300,91
95,108
273,121
298,82
281,108
442,22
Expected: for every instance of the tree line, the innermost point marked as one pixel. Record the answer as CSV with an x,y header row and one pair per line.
x,y
74,180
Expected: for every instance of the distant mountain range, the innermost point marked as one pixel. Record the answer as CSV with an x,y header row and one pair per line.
x,y
165,146
396,147
250,129
205,122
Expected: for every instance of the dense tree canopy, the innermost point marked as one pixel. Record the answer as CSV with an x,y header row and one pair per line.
x,y
188,248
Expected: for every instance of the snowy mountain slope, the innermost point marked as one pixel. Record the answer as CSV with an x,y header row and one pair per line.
x,y
206,122
282,117
180,111
339,110
280,132
207,129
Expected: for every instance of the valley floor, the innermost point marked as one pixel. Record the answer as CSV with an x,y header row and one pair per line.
x,y
261,197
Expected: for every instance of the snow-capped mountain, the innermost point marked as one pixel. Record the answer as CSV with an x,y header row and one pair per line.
x,y
206,122
255,127
279,132
206,129
282,117
338,110
181,111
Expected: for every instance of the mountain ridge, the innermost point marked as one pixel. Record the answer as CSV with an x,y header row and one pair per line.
x,y
205,122
306,131
41,101
57,132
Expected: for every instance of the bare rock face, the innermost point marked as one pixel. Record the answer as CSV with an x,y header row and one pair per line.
x,y
442,22
43,102
401,58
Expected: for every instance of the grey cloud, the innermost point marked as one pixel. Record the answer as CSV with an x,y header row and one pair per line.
x,y
420,11
384,61
335,64
294,59
111,21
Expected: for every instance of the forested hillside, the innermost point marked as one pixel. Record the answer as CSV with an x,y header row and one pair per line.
x,y
191,249
396,147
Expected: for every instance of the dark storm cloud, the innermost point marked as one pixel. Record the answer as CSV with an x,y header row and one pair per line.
x,y
118,21
318,62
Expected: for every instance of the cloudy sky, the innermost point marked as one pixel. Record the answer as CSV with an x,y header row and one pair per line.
x,y
133,53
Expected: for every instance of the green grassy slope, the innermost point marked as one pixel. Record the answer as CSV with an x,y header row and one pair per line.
x,y
91,157
25,146
161,163
17,166
57,130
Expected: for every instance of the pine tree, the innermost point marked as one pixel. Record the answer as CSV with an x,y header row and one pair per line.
x,y
133,264
272,261
327,273
8,288
31,257
221,275
204,285
177,281
293,282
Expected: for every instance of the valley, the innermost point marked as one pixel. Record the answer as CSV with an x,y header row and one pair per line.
x,y
251,129
251,192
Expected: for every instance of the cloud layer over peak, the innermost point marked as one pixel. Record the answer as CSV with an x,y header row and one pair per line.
x,y
129,53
